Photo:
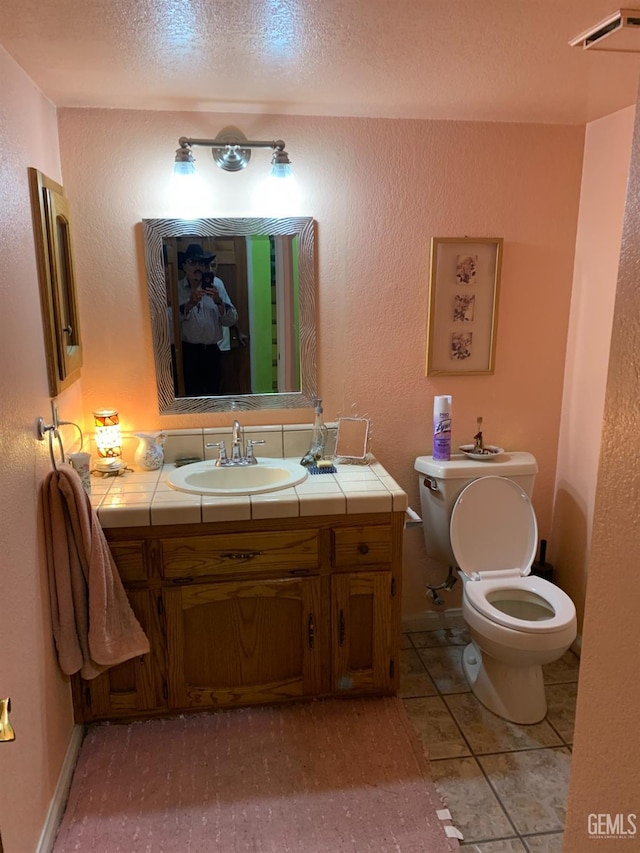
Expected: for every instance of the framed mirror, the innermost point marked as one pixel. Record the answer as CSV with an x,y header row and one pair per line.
x,y
232,306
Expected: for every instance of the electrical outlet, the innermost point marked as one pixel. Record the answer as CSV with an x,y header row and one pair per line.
x,y
55,420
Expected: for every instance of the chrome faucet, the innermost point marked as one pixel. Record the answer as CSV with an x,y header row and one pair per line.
x,y
237,453
239,456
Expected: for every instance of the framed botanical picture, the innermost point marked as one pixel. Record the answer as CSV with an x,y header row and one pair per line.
x,y
464,286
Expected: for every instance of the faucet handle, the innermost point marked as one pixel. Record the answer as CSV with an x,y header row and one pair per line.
x,y
222,453
251,459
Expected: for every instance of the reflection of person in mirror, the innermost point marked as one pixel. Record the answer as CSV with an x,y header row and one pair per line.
x,y
204,312
224,344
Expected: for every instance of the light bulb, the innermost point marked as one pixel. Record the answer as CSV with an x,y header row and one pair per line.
x,y
187,192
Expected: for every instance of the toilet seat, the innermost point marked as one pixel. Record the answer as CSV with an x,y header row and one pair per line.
x,y
479,593
494,536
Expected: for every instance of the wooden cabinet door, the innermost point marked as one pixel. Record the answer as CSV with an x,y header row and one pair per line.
x,y
245,642
134,686
361,632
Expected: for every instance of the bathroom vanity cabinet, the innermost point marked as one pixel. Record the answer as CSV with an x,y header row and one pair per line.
x,y
253,612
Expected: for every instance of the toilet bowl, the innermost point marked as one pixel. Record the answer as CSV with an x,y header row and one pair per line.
x,y
518,622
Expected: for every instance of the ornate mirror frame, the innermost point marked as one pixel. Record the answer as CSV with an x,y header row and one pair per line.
x,y
155,230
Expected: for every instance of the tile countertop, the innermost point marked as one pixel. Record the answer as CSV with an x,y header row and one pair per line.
x,y
141,498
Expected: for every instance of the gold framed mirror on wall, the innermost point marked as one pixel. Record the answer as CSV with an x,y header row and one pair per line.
x,y
54,255
260,273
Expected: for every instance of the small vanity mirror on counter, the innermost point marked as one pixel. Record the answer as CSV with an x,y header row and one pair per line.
x,y
352,440
267,270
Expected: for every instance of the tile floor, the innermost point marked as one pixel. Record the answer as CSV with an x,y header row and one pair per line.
x,y
505,784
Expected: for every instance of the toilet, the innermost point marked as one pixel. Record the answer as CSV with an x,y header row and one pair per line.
x,y
477,516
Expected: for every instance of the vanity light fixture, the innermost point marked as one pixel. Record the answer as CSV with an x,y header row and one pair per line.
x,y
108,438
231,151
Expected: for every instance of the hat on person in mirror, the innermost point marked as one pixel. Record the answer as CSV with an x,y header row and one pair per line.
x,y
194,253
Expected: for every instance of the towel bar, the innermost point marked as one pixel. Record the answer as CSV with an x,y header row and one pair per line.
x,y
52,431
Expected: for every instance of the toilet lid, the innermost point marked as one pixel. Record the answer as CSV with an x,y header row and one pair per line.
x,y
493,529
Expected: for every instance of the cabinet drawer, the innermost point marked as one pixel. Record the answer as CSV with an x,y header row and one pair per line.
x,y
225,554
129,558
361,546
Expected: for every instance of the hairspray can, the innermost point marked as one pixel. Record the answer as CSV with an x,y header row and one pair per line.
x,y
442,428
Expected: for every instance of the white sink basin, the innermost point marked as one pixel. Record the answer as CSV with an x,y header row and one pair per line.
x,y
269,475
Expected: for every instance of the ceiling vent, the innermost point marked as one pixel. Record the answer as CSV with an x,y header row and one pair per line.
x,y
619,32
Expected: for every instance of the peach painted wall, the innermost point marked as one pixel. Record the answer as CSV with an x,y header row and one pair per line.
x,y
379,190
394,185
605,776
602,198
40,696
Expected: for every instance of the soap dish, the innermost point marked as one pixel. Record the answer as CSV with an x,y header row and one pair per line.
x,y
186,460
489,451
326,469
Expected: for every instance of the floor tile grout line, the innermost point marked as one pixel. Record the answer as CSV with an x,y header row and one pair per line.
x,y
556,730
428,674
493,791
500,751
440,695
431,678
526,835
472,755
562,745
517,833
518,751
458,726
444,701
443,695
492,840
497,796
440,691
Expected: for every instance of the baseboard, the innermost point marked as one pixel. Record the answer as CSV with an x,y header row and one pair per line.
x,y
59,800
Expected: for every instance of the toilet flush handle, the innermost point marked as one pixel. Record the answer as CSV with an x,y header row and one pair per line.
x,y
431,484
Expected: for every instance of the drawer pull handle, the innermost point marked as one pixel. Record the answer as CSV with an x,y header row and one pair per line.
x,y
240,555
342,630
181,580
311,628
363,549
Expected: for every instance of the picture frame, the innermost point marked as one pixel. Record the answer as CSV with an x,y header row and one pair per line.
x,y
56,277
464,288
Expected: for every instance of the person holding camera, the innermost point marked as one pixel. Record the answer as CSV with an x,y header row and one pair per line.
x,y
204,311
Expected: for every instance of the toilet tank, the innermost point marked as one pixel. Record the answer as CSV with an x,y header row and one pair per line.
x,y
442,482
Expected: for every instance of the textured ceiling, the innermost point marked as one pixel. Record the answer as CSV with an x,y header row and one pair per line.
x,y
497,60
